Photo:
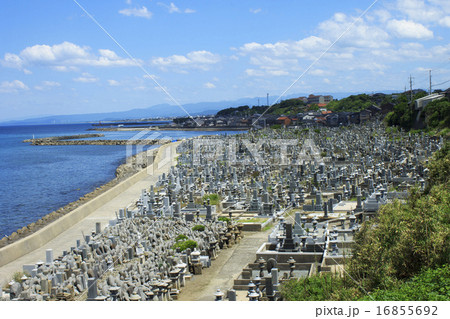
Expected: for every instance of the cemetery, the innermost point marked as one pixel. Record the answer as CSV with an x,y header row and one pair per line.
x,y
312,187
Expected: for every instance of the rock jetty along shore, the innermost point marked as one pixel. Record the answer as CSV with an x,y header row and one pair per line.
x,y
79,140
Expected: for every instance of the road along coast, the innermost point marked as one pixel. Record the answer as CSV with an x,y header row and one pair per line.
x,y
64,231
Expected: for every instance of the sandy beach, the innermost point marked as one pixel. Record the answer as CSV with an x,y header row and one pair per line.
x,y
62,234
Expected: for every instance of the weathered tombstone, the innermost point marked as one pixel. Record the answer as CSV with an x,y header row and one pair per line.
x,y
189,217
49,256
231,295
98,228
208,212
92,289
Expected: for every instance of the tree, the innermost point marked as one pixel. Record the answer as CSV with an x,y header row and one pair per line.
x,y
437,114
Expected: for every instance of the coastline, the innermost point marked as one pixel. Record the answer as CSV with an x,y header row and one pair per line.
x,y
133,165
62,233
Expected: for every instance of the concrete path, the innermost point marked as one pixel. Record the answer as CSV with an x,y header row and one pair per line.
x,y
166,155
224,270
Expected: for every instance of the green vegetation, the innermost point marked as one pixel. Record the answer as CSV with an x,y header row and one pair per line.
x,y
403,254
353,103
185,244
214,199
17,277
224,219
181,237
403,240
244,110
403,116
429,285
436,114
319,287
440,167
286,107
198,228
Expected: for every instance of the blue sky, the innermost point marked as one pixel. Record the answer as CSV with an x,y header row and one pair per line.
x,y
55,60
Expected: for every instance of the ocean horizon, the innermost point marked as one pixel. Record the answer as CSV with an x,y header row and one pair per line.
x,y
36,180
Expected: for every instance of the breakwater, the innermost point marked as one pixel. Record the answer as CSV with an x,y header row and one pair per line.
x,y
79,140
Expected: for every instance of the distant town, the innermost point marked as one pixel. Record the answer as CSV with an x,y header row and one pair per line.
x,y
313,110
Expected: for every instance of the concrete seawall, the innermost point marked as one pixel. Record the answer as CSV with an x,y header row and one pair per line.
x,y
38,239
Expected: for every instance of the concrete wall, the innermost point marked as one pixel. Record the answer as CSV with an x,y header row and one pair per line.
x,y
44,235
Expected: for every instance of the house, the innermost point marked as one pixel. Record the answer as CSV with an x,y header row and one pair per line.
x,y
319,99
353,118
365,115
284,120
332,119
344,118
386,108
419,104
374,109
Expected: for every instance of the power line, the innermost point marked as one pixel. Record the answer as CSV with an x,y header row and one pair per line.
x,y
441,83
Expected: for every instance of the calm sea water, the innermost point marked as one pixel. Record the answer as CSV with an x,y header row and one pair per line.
x,y
36,180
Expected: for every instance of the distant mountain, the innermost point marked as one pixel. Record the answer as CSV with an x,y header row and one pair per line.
x,y
160,110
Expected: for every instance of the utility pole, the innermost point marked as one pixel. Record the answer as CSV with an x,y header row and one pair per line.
x,y
430,82
410,89
267,99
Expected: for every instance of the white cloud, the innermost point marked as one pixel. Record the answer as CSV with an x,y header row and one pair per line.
x,y
65,56
86,78
359,35
172,8
409,29
209,85
195,59
47,85
64,68
137,12
445,22
113,83
12,86
381,15
51,83
418,10
255,11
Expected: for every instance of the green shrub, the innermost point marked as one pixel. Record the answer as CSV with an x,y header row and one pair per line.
x,y
319,287
183,245
224,219
198,228
214,199
429,285
181,237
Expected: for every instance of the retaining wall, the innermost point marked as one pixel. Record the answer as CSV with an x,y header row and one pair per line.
x,y
36,240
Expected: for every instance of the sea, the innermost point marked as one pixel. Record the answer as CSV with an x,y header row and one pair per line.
x,y
36,180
